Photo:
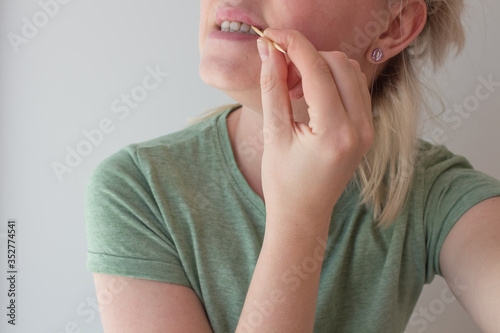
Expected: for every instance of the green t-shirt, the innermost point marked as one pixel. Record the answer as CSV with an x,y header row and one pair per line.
x,y
177,209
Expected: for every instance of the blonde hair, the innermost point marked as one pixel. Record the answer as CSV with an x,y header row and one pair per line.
x,y
385,175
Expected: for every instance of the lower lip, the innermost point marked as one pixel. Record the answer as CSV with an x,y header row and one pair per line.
x,y
234,36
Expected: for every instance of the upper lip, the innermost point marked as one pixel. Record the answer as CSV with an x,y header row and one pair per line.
x,y
236,15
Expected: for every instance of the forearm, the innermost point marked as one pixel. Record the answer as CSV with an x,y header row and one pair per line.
x,y
283,291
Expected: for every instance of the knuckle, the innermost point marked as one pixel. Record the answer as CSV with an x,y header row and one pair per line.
x,y
294,34
291,40
349,142
339,55
346,142
355,64
367,136
322,66
267,83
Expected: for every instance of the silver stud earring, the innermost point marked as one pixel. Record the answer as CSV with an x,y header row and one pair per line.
x,y
377,55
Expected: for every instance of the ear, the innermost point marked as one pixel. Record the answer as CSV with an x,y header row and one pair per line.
x,y
407,20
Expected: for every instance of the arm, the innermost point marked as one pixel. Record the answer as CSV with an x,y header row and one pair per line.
x,y
305,169
129,305
284,287
470,260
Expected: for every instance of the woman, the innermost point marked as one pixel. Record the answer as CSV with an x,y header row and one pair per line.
x,y
310,205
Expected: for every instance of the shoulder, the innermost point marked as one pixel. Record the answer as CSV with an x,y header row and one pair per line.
x,y
432,157
437,167
444,176
165,151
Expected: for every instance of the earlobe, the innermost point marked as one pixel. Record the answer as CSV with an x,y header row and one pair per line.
x,y
406,24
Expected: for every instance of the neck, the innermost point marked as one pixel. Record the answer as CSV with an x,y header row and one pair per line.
x,y
243,128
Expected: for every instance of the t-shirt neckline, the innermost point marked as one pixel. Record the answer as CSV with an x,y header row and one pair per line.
x,y
234,172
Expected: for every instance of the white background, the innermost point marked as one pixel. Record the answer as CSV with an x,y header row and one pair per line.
x,y
65,79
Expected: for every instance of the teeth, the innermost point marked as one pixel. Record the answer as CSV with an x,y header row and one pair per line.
x,y
245,27
239,27
235,26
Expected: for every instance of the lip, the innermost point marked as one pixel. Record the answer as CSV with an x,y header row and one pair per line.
x,y
236,15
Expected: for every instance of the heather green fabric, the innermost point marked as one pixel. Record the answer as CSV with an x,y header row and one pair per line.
x,y
177,209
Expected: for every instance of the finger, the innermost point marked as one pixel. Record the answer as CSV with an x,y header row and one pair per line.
x,y
320,91
363,86
296,91
276,106
294,82
344,73
365,126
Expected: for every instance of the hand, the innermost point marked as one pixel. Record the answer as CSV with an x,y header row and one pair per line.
x,y
306,167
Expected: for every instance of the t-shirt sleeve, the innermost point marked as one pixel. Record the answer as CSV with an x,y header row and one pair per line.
x,y
126,235
451,188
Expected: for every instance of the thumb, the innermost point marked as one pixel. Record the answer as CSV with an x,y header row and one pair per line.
x,y
276,106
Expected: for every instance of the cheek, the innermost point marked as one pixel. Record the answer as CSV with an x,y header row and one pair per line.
x,y
204,19
331,27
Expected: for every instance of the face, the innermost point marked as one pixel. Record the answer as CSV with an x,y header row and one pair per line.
x,y
230,60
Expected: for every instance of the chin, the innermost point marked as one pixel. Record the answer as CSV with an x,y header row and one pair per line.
x,y
229,75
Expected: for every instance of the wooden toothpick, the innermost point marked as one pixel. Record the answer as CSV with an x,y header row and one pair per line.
x,y
262,35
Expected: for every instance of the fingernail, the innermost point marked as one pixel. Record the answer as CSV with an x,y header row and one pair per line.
x,y
263,49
